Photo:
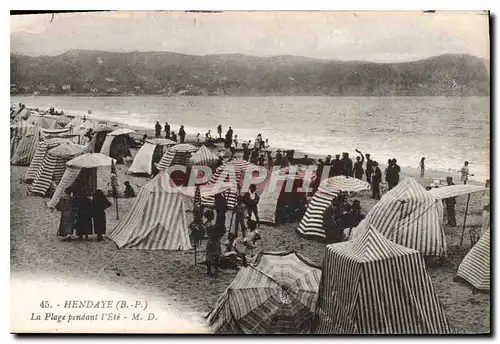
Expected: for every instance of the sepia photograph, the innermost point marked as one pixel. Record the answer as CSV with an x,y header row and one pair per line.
x,y
250,172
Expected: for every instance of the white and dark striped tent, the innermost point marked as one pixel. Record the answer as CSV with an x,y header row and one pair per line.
x,y
151,151
276,295
237,172
410,216
203,156
176,155
53,167
311,224
40,154
371,285
18,131
455,190
90,171
156,221
25,151
50,133
475,267
21,114
281,180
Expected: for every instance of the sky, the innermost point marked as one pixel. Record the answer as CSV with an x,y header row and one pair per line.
x,y
341,35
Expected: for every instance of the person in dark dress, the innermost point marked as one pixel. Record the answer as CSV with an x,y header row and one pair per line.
x,y
270,161
331,223
99,205
369,168
251,199
220,209
68,215
219,131
450,206
389,174
336,166
355,216
173,136
182,134
240,217
129,191
213,250
358,166
246,152
83,222
396,170
157,129
346,165
278,158
167,130
376,180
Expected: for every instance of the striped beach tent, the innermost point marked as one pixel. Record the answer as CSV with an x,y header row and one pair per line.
x,y
176,155
156,221
371,285
455,190
53,167
237,172
26,149
116,143
88,171
410,216
475,267
276,295
151,151
40,153
18,131
203,156
288,179
311,224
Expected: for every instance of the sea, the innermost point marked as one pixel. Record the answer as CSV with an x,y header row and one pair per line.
x,y
445,130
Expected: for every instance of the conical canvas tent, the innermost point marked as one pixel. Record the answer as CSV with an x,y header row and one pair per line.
x,y
371,285
311,224
151,152
53,167
18,131
40,153
235,172
475,267
410,216
26,149
156,221
284,183
86,172
277,295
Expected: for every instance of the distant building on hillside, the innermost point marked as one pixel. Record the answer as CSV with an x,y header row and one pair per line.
x,y
66,88
94,90
52,87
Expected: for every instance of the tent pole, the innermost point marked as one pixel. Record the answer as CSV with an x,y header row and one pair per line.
x,y
465,219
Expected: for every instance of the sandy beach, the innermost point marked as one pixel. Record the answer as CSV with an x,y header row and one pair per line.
x,y
185,288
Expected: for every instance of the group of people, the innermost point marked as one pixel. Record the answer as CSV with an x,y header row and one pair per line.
x,y
340,215
170,134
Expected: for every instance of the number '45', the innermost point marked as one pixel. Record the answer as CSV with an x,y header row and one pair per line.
x,y
44,304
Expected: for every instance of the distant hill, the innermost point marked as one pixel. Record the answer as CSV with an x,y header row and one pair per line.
x,y
101,72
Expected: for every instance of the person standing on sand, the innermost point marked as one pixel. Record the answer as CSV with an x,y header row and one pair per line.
x,y
99,205
235,141
240,217
167,130
254,156
83,222
397,170
251,199
464,172
369,168
173,137
246,152
213,250
220,209
266,145
358,166
346,165
450,206
198,138
422,167
336,167
376,179
68,215
278,157
389,174
219,131
270,162
157,129
182,134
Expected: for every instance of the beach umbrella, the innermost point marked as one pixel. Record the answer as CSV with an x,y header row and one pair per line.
x,y
90,160
103,128
161,142
345,184
176,155
278,294
454,191
237,169
203,157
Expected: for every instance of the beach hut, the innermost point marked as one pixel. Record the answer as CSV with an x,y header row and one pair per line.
x,y
26,148
409,216
311,224
116,145
18,131
86,173
40,154
283,190
151,152
475,267
276,295
371,285
53,167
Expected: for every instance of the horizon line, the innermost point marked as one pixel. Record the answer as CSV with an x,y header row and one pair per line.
x,y
246,55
